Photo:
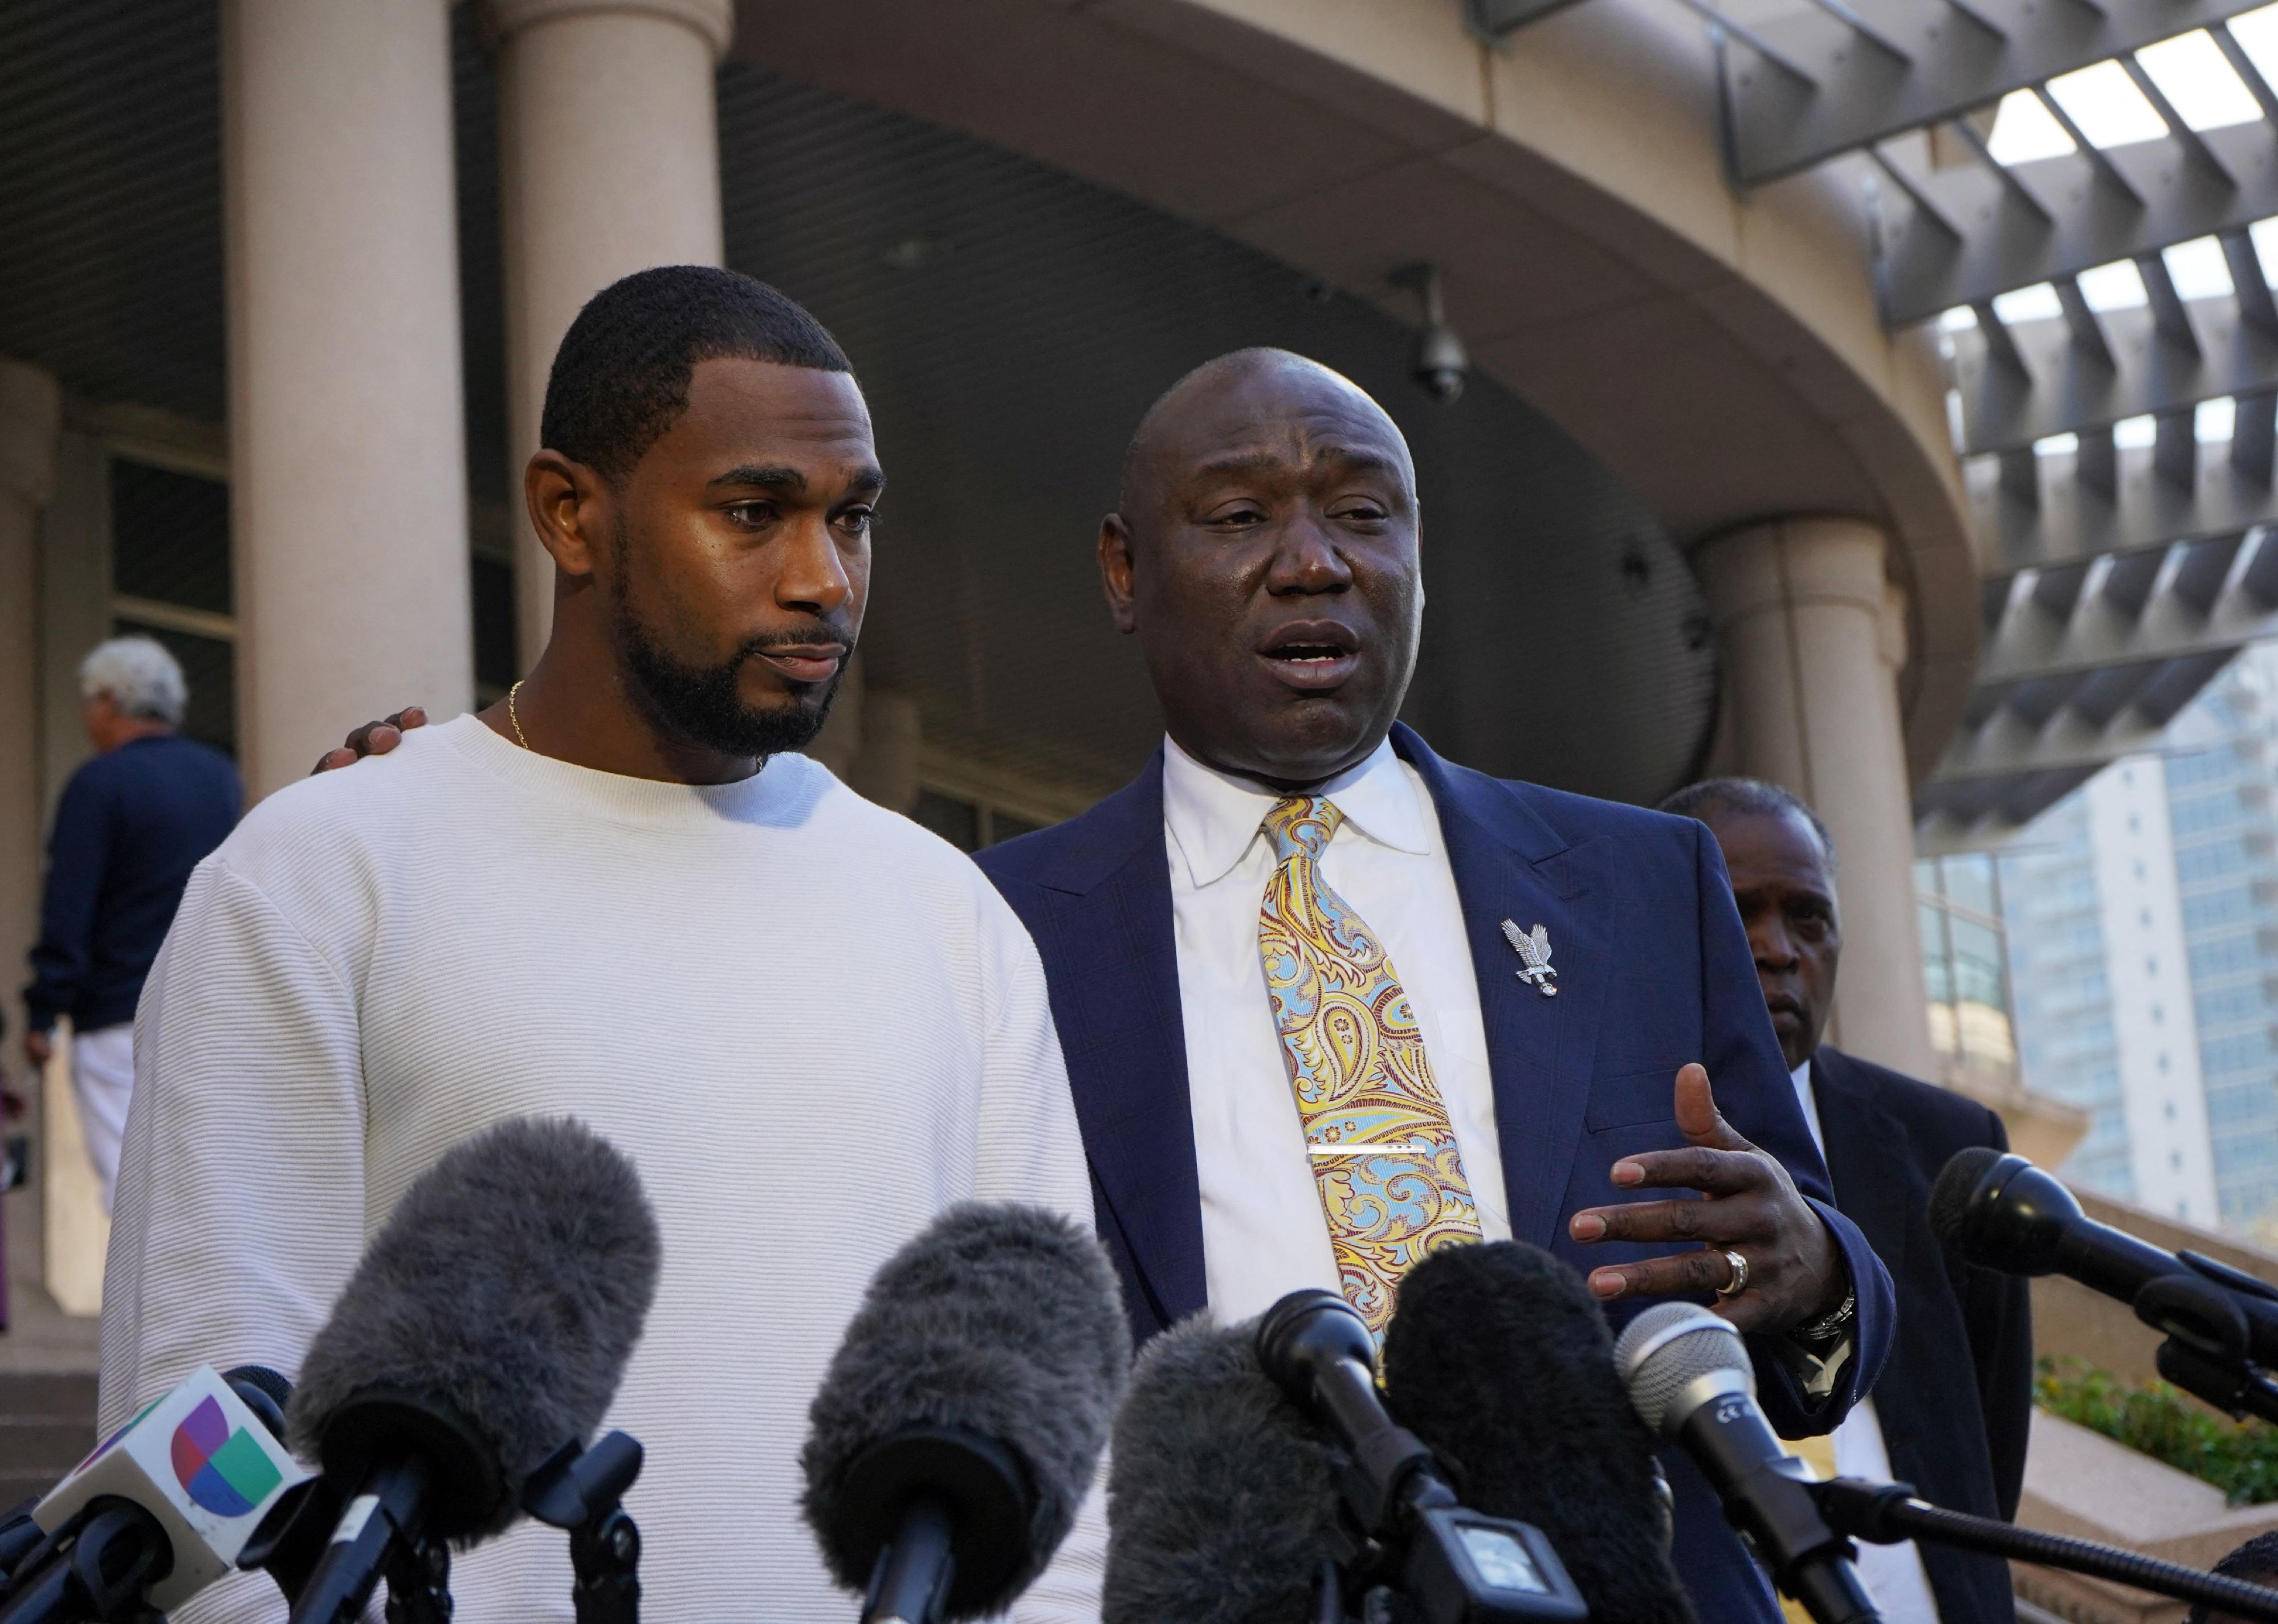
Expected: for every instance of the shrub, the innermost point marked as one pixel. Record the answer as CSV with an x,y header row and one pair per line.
x,y
2239,1458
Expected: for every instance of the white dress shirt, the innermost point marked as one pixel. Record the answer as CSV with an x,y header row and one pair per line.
x,y
1264,1234
1893,1574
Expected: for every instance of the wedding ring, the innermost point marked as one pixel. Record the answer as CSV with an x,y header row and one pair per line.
x,y
1738,1283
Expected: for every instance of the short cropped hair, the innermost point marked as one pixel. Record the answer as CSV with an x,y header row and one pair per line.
x,y
620,379
1746,797
2256,1562
142,679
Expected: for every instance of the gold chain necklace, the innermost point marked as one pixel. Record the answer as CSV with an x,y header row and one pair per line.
x,y
514,716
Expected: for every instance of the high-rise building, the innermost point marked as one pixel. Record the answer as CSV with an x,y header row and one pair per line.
x,y
2141,914
2218,803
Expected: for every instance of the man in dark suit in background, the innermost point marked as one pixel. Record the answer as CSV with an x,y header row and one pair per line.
x,y
1328,1001
1961,1329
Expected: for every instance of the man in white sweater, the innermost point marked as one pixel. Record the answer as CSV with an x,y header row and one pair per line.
x,y
613,896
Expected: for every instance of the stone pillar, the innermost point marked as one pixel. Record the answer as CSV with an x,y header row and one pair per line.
x,y
1810,645
609,163
30,416
348,449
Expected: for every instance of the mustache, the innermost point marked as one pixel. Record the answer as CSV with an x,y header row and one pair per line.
x,y
821,637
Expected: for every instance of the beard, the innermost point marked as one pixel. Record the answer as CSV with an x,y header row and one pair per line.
x,y
704,705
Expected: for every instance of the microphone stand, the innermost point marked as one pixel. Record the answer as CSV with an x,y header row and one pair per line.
x,y
579,1490
1888,1514
2208,1317
96,1567
419,1584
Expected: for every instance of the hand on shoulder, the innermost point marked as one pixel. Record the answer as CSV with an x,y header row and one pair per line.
x,y
374,738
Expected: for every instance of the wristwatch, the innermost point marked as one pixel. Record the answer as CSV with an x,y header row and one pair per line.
x,y
1829,1327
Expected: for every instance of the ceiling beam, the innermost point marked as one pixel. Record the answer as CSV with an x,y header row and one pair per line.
x,y
1976,234
1869,69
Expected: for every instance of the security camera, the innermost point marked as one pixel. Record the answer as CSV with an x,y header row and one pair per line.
x,y
1437,362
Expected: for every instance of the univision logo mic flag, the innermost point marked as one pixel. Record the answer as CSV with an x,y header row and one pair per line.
x,y
201,1463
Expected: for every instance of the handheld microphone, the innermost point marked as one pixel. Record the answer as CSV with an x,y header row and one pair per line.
x,y
2002,1212
489,1323
1689,1375
160,1508
1500,1358
1455,1565
958,1426
1222,1497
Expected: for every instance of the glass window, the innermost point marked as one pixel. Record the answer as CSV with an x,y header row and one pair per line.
x,y
169,537
1969,881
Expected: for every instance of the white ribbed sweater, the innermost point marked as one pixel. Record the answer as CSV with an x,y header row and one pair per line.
x,y
811,1023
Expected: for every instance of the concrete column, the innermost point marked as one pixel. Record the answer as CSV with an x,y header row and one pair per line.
x,y
1805,627
609,163
347,448
30,415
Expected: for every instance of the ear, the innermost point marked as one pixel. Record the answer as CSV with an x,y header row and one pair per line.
x,y
568,502
1115,569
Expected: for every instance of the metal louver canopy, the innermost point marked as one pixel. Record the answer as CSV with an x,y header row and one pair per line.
x,y
1844,76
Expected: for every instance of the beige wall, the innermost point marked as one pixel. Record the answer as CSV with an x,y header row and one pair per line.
x,y
348,498
31,415
30,420
1723,355
1806,625
609,163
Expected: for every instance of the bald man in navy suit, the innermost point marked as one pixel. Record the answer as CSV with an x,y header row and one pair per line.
x,y
1556,992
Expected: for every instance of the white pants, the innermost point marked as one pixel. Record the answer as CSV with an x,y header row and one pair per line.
x,y
102,1079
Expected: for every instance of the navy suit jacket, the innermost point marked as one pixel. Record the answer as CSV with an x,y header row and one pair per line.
x,y
1962,1328
1653,970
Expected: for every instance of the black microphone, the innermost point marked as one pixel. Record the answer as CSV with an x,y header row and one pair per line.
x,y
488,1323
2002,1212
958,1426
1500,1358
1222,1499
1453,1564
1689,1375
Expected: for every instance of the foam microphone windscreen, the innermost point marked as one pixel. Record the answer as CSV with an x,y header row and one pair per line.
x,y
1500,1360
1221,1500
506,1291
999,1322
1949,1197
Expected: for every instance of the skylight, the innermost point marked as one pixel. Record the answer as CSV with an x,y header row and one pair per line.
x,y
2198,269
2192,73
2257,33
2024,130
2116,287
2107,105
2036,303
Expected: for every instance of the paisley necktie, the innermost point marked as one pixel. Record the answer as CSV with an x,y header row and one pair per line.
x,y
1384,1156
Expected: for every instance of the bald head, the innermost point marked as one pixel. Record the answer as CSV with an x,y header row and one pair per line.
x,y
1264,552
1208,406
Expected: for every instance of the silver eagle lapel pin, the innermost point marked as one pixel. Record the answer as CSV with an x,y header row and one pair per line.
x,y
1533,951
